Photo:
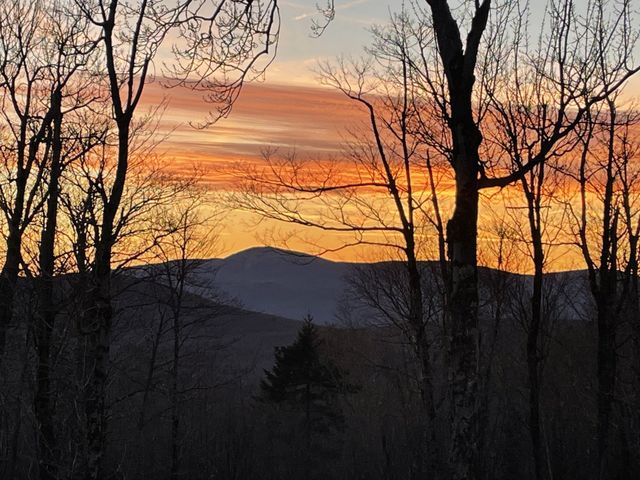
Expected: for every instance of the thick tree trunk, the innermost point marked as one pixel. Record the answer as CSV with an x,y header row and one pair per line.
x,y
47,311
417,321
634,425
606,380
11,267
606,296
8,282
533,368
99,314
463,326
459,63
98,328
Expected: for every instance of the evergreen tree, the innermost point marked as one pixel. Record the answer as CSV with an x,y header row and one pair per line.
x,y
307,386
303,380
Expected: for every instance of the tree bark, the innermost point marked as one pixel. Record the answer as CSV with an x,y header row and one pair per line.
x,y
47,309
459,62
11,267
606,379
534,355
421,341
99,314
98,327
463,326
9,281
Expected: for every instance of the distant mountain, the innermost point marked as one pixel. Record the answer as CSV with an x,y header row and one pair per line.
x,y
292,284
279,282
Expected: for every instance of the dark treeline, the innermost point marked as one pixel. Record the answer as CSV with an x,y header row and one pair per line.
x,y
119,358
366,427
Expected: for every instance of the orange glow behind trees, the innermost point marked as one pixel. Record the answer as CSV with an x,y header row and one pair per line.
x,y
316,123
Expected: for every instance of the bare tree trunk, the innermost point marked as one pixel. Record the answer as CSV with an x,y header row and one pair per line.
x,y
27,151
459,64
462,304
635,319
606,380
463,323
175,414
11,267
421,341
98,325
47,310
605,293
533,361
9,281
99,315
150,372
534,350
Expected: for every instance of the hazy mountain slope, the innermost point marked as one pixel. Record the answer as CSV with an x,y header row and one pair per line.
x,y
293,285
281,283
228,340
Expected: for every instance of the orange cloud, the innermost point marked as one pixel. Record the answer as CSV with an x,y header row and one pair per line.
x,y
311,120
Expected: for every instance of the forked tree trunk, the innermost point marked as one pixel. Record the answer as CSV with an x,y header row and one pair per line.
x,y
459,63
27,151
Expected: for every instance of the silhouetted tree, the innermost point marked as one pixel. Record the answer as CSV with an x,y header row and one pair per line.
x,y
216,43
606,226
305,383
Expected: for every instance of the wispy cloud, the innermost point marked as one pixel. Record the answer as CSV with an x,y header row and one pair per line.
x,y
302,16
311,120
348,5
339,6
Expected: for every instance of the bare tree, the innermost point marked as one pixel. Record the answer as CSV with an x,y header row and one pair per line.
x,y
518,124
570,88
71,53
220,43
606,224
28,106
188,238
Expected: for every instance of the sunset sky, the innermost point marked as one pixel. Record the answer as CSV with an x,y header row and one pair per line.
x,y
287,109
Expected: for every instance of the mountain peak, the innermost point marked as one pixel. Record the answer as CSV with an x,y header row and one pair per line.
x,y
267,252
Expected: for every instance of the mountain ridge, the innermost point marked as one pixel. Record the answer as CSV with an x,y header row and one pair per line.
x,y
293,284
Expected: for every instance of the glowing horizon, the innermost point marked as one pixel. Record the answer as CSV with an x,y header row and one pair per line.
x,y
311,120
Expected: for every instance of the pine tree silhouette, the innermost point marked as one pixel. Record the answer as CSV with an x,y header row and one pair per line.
x,y
308,386
303,380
